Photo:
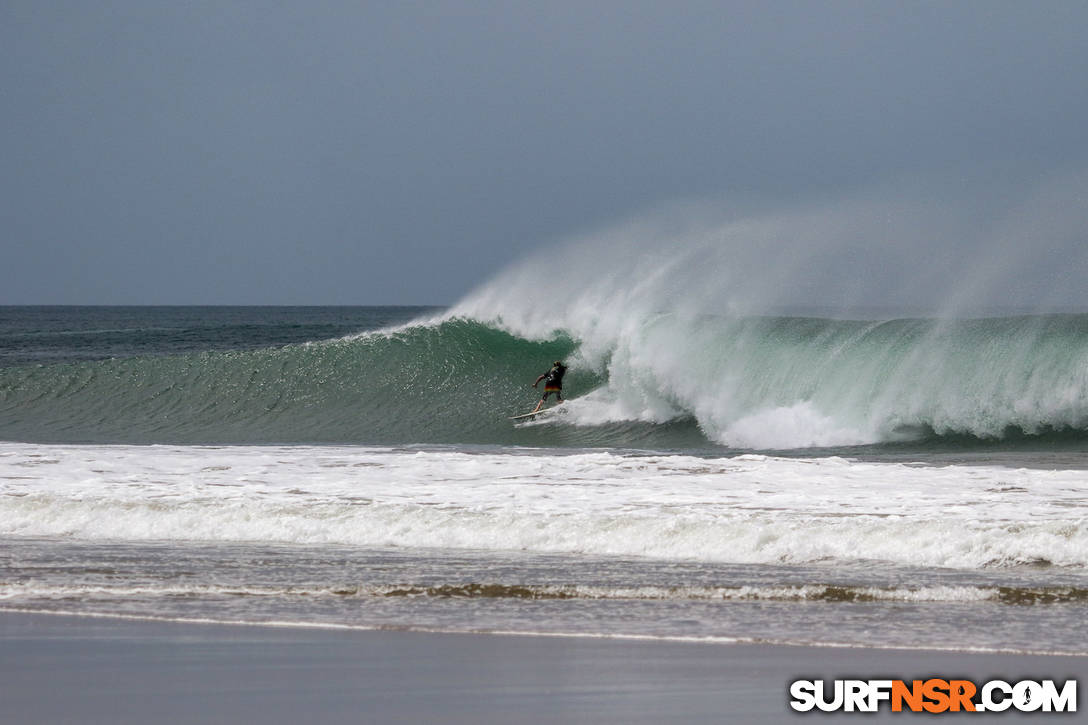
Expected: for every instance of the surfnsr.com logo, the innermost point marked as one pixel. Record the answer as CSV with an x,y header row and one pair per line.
x,y
933,695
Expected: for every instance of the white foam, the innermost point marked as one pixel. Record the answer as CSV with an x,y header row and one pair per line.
x,y
791,426
757,509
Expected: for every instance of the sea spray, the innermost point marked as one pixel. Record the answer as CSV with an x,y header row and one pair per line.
x,y
680,312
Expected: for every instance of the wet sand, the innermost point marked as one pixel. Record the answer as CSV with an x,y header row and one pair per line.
x,y
60,669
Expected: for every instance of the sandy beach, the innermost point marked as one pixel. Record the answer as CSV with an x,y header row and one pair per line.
x,y
62,669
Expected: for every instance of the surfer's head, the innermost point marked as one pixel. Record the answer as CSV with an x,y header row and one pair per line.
x,y
558,363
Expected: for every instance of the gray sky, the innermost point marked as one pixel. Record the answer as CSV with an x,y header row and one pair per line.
x,y
404,152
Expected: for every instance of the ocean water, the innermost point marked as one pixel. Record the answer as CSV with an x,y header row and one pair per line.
x,y
852,480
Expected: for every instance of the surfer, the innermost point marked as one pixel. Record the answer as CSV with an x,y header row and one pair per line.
x,y
553,383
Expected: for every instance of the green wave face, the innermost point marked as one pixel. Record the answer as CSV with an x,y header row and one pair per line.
x,y
455,382
763,383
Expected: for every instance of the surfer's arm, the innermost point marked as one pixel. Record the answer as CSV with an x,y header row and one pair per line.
x,y
539,379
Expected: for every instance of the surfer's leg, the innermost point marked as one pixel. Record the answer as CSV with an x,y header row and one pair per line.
x,y
547,392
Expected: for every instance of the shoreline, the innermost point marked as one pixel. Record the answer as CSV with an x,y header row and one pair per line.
x,y
649,638
65,668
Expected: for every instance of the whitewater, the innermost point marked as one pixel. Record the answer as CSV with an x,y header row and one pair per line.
x,y
743,509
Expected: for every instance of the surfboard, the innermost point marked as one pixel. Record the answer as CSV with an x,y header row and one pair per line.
x,y
531,415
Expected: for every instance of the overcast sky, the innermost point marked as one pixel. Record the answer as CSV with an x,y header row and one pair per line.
x,y
404,152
